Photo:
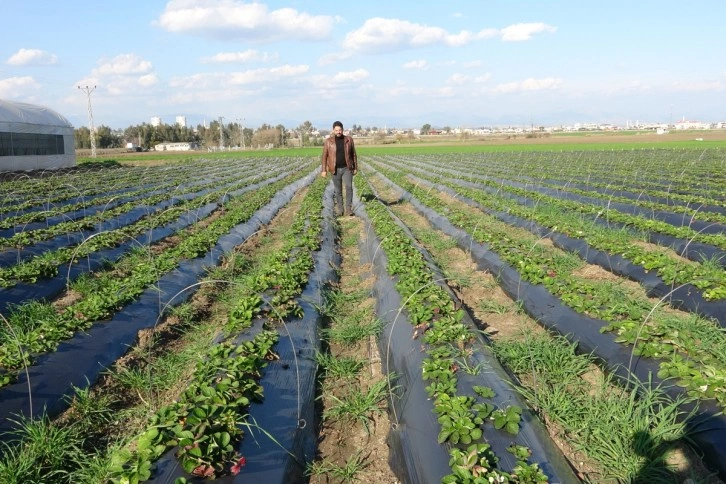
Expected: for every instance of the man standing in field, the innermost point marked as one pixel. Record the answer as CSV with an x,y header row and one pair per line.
x,y
340,159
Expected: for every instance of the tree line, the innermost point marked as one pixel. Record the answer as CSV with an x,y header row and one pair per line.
x,y
147,136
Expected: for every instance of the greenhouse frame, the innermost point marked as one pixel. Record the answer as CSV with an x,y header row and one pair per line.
x,y
34,137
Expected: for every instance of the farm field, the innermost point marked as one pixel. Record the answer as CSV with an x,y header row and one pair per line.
x,y
489,315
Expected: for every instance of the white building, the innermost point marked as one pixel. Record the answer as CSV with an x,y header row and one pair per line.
x,y
155,121
34,138
181,121
183,146
683,124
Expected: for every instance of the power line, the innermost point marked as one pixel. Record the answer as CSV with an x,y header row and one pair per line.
x,y
242,131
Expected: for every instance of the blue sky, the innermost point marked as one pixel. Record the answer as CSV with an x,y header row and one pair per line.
x,y
373,63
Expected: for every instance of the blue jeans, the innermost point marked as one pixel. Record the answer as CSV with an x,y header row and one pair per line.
x,y
343,176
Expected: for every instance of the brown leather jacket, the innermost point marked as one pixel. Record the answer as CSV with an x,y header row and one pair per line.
x,y
328,158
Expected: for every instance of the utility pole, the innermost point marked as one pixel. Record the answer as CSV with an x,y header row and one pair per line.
x,y
88,91
241,124
221,133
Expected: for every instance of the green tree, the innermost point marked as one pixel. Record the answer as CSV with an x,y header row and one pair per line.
x,y
266,137
305,129
82,138
283,135
105,138
426,129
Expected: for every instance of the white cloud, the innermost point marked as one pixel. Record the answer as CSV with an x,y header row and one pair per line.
x,y
351,76
378,35
697,86
121,75
248,55
123,64
417,64
650,87
462,79
525,31
234,19
546,84
252,76
473,64
25,57
403,90
458,79
121,85
331,85
148,80
15,87
334,57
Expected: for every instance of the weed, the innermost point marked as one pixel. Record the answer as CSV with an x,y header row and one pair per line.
x,y
345,473
339,368
468,367
17,466
553,359
88,410
359,405
350,239
494,307
185,312
45,446
627,431
351,329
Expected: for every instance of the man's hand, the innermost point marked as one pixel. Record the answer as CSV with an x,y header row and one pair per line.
x,y
323,173
355,171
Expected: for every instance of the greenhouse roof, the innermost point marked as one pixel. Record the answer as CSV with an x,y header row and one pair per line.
x,y
23,113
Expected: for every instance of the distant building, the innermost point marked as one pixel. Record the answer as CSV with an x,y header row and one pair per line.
x,y
184,146
155,121
181,121
683,124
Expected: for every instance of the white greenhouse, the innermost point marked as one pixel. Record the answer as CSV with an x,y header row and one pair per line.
x,y
34,138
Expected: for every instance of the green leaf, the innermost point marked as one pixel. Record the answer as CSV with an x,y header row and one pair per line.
x,y
484,392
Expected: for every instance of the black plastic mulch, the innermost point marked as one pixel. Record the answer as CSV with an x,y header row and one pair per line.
x,y
416,455
80,360
707,429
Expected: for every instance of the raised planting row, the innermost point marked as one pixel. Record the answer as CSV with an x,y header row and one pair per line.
x,y
205,423
75,240
353,389
605,431
680,225
75,195
658,331
680,177
694,286
450,425
36,327
31,227
555,288
266,296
